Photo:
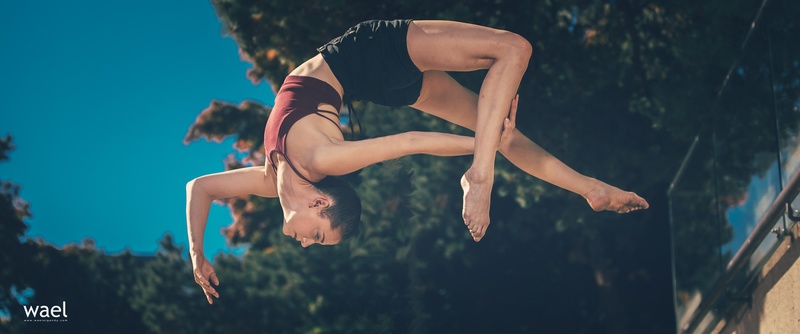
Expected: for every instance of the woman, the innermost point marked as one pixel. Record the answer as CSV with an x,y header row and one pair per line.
x,y
394,63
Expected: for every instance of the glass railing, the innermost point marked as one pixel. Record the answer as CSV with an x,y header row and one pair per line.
x,y
724,196
696,232
785,60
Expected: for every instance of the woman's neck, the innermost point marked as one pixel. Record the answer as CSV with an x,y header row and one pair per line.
x,y
291,188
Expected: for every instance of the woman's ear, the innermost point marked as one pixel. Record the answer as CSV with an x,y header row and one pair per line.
x,y
321,202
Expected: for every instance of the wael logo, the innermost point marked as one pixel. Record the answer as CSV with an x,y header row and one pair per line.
x,y
46,313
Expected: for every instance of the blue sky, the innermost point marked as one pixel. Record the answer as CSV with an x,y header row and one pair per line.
x,y
98,96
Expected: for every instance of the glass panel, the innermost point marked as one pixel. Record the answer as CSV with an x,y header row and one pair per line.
x,y
784,29
708,323
737,169
746,150
695,230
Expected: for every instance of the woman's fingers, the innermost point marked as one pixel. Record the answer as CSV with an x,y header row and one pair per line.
x,y
209,291
513,112
213,278
204,276
509,123
508,127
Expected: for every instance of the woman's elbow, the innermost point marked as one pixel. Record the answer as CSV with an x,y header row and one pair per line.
x,y
190,185
194,187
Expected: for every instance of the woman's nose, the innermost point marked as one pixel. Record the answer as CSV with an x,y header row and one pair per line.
x,y
304,243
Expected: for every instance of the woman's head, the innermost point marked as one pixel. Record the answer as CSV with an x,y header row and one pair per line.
x,y
344,212
324,214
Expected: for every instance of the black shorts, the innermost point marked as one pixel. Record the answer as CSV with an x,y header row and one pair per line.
x,y
371,62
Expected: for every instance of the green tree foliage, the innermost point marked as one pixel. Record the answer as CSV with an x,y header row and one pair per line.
x,y
596,95
613,88
13,254
95,287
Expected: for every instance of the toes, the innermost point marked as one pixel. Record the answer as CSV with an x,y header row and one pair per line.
x,y
478,233
631,208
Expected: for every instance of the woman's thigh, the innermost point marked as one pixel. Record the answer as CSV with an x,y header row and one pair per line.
x,y
443,97
457,46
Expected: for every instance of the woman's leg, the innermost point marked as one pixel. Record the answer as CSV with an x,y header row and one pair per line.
x,y
445,98
455,46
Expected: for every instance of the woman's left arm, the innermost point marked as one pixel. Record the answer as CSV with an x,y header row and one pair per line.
x,y
345,157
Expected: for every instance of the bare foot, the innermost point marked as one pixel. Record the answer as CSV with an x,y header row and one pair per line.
x,y
606,197
477,197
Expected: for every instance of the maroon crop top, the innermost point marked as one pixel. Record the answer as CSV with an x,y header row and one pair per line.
x,y
298,97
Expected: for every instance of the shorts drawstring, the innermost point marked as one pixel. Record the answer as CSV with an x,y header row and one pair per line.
x,y
354,116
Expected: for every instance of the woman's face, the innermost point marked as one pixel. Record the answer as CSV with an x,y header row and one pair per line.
x,y
309,228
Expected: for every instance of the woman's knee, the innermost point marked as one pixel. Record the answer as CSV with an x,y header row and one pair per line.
x,y
516,47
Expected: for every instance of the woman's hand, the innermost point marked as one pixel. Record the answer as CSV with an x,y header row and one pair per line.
x,y
509,124
204,275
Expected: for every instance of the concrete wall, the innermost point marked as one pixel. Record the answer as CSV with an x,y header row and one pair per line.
x,y
775,308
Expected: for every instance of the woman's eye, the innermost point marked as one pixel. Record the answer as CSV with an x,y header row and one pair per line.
x,y
316,236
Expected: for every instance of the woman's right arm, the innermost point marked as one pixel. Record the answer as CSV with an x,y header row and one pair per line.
x,y
343,157
201,192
